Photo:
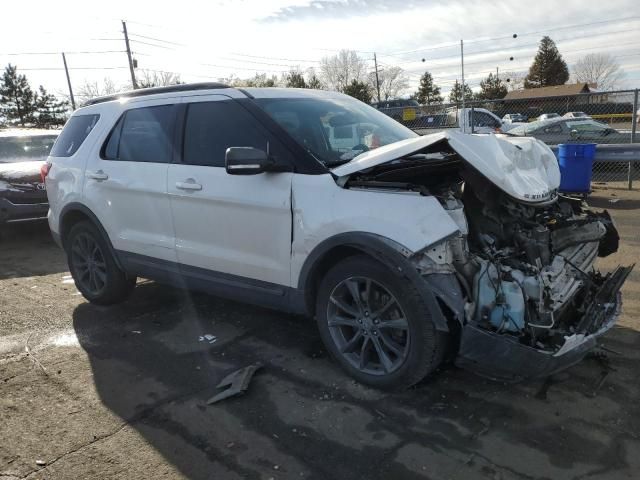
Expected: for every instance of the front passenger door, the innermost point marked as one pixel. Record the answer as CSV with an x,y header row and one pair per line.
x,y
229,227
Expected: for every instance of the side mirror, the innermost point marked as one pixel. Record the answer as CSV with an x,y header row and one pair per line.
x,y
573,134
246,161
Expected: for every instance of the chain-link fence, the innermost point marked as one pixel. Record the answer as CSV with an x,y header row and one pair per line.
x,y
604,118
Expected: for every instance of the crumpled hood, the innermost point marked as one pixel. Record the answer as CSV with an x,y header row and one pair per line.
x,y
523,167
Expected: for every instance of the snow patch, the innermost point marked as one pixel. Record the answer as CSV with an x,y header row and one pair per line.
x,y
65,340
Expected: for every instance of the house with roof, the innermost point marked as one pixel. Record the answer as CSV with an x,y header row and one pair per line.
x,y
556,99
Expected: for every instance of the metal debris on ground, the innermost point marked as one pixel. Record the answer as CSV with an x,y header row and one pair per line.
x,y
237,381
601,357
207,337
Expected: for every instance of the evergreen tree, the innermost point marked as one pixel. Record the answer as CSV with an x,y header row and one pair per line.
x,y
50,112
492,88
314,82
359,90
548,67
455,95
295,80
428,93
17,101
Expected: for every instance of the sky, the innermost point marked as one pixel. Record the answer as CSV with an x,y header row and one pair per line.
x,y
210,40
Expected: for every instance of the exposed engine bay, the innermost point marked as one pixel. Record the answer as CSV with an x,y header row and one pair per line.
x,y
525,270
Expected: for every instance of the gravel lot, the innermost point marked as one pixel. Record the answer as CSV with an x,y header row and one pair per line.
x,y
122,391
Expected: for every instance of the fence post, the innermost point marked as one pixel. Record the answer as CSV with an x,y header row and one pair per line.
x,y
472,119
634,125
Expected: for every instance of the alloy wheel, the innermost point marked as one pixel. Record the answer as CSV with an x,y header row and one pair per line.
x,y
368,326
89,264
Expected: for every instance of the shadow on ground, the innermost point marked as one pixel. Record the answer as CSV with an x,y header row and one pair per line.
x,y
303,418
27,249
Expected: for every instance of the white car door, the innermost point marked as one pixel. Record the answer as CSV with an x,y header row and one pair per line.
x,y
126,181
229,224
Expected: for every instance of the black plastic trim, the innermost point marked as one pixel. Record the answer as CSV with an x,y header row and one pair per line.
x,y
225,285
185,87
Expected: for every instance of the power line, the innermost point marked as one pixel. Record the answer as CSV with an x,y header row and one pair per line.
x,y
516,47
156,39
275,58
453,45
70,68
133,40
58,53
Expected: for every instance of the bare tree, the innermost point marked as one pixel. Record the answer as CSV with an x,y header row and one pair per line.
x,y
599,69
513,80
157,78
89,90
393,81
338,71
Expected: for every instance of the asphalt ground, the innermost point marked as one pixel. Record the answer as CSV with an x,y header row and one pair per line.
x,y
120,392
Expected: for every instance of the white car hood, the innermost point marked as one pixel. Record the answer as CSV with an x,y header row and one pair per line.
x,y
523,167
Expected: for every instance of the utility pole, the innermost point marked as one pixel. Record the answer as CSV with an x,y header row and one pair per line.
x,y
66,70
464,117
126,42
375,61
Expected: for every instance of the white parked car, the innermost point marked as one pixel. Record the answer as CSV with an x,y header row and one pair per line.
x,y
548,116
244,194
580,115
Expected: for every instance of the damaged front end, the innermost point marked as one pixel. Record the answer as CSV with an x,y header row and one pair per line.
x,y
517,282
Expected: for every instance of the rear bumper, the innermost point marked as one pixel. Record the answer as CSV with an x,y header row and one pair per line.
x,y
22,212
503,357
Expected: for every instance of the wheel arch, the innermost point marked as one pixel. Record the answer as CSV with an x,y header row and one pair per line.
x,y
384,250
77,212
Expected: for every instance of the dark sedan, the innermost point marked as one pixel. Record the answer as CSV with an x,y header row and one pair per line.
x,y
571,130
22,192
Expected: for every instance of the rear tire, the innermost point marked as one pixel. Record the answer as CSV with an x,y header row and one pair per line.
x,y
389,319
93,268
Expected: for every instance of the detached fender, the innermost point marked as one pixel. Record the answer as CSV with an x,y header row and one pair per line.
x,y
386,251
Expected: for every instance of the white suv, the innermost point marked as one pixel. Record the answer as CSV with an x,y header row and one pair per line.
x,y
406,249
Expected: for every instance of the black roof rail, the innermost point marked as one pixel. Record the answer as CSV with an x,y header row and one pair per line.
x,y
183,87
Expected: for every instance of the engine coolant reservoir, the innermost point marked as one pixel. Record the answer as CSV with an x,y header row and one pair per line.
x,y
501,301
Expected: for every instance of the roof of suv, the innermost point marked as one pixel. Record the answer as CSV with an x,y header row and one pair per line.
x,y
272,92
183,87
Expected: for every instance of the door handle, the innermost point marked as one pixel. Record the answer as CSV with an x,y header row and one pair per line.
x,y
189,184
99,175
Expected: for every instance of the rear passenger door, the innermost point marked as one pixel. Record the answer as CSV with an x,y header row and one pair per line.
x,y
126,181
229,227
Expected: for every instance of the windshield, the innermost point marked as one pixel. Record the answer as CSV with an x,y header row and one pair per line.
x,y
588,126
334,130
24,148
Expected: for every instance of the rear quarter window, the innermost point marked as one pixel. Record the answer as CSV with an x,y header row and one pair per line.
x,y
74,133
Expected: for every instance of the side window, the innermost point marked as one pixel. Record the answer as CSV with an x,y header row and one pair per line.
x,y
212,127
481,119
142,135
74,133
557,128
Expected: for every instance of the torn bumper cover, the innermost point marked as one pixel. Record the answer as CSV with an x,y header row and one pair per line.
x,y
504,358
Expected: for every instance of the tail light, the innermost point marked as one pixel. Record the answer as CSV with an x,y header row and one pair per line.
x,y
44,171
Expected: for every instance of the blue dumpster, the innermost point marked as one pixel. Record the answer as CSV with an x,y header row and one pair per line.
x,y
576,164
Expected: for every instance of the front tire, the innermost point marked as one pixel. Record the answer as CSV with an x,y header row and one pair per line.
x,y
376,325
93,268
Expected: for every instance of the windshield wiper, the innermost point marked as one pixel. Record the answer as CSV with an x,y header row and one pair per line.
x,y
335,163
